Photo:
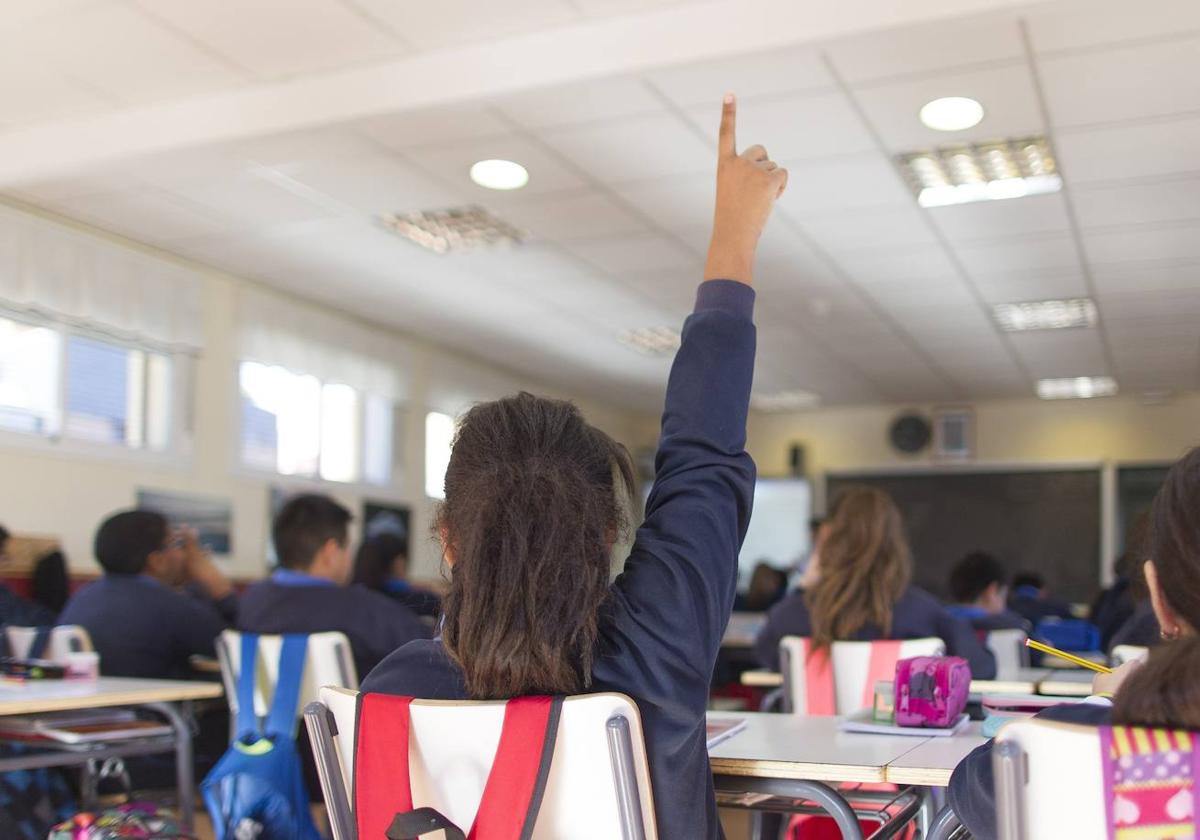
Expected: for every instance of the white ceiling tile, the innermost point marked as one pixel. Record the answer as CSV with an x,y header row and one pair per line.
x,y
443,124
373,184
121,53
633,253
1011,288
1058,353
854,182
609,8
429,25
877,229
1131,203
276,38
1129,151
1124,83
36,92
581,215
634,149
252,203
1007,94
1040,255
1144,278
998,219
679,203
788,126
452,164
1081,24
584,102
143,215
1116,245
923,263
929,48
18,12
765,74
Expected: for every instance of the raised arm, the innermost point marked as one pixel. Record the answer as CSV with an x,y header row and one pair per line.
x,y
677,589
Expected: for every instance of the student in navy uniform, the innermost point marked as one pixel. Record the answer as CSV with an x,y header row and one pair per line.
x,y
308,593
979,587
1173,578
382,564
140,621
1030,600
14,609
858,587
531,514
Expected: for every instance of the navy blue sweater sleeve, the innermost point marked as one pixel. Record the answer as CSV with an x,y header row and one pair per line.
x,y
676,590
972,791
961,640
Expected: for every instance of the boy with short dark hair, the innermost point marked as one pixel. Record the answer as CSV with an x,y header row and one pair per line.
x,y
141,621
308,593
979,587
14,609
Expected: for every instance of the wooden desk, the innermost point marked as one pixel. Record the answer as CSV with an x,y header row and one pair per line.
x,y
762,679
159,696
1025,681
934,759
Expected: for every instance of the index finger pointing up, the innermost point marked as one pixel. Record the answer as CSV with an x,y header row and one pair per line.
x,y
727,141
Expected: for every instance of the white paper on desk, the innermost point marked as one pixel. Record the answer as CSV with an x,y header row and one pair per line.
x,y
722,729
864,722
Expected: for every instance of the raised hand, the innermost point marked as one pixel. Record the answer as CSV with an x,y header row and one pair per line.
x,y
748,184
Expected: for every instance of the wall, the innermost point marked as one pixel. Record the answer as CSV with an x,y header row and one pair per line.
x,y
46,490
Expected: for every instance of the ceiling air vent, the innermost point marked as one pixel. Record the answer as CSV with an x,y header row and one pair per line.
x,y
453,230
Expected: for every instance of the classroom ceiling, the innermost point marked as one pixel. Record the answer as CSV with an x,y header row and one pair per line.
x,y
235,134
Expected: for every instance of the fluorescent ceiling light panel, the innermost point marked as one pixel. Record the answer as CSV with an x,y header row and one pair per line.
x,y
1077,388
951,113
981,172
456,229
785,401
499,174
1045,314
652,341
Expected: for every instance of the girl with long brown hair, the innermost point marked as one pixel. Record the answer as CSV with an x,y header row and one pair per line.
x,y
861,588
532,512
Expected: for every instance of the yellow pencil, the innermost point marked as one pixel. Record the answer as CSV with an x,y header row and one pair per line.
x,y
1070,657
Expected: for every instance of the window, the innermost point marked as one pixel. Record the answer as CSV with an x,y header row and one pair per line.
x,y
439,438
54,381
294,424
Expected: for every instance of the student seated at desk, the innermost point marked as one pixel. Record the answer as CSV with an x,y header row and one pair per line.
x,y
979,587
1030,599
141,621
381,564
858,588
14,609
308,593
1173,578
532,511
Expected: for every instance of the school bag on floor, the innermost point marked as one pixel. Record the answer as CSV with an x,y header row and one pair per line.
x,y
31,801
136,820
257,788
512,795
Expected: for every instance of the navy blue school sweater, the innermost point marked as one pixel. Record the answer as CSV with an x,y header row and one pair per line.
x,y
662,626
143,628
293,602
917,615
972,792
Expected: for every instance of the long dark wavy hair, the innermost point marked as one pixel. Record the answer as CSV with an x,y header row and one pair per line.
x,y
530,515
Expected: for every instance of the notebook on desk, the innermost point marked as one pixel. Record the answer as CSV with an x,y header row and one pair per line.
x,y
865,722
722,729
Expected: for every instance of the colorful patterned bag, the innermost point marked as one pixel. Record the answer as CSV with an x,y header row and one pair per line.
x,y
1149,782
141,820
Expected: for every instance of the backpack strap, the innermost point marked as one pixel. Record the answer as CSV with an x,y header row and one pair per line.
x,y
41,641
517,781
281,718
247,717
382,788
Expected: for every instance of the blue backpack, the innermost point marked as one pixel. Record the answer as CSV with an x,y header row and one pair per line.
x,y
1069,634
257,788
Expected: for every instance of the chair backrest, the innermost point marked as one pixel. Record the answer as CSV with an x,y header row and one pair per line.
x,y
328,661
451,749
64,639
1008,646
1127,653
1049,781
855,668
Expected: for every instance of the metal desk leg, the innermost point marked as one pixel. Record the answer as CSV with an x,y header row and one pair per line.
x,y
944,825
184,770
927,814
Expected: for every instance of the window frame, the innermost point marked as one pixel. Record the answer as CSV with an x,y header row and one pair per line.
x,y
178,450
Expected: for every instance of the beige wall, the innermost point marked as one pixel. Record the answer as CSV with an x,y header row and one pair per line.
x,y
47,489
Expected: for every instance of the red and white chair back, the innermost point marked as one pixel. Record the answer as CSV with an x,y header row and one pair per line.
x,y
842,681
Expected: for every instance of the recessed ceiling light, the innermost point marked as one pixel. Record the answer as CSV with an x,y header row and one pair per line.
x,y
981,171
1077,388
784,401
455,229
1045,314
652,341
499,174
951,113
